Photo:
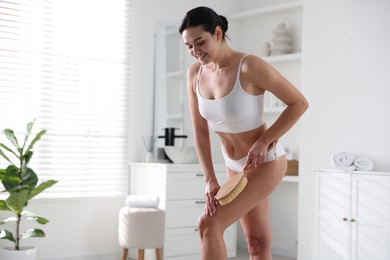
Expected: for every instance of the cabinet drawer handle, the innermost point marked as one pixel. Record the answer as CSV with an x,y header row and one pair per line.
x,y
352,220
345,219
199,175
200,202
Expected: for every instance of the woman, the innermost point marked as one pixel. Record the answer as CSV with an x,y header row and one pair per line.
x,y
226,91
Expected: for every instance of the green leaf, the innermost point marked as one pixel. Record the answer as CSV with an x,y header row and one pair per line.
x,y
17,188
5,156
12,182
10,219
4,176
41,187
27,157
11,136
9,150
28,132
4,206
18,200
33,233
29,179
30,216
12,170
5,234
36,139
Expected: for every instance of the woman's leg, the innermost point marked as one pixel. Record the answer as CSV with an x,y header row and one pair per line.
x,y
261,182
257,231
211,237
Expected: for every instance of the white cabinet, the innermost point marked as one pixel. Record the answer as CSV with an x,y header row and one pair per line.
x,y
351,215
181,190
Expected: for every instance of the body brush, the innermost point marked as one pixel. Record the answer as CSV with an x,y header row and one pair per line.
x,y
231,188
236,184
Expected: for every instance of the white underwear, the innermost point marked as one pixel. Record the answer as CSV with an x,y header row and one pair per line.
x,y
238,165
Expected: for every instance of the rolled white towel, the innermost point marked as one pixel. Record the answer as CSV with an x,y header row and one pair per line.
x,y
343,160
363,163
142,201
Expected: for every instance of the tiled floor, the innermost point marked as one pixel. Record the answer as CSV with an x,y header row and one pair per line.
x,y
243,255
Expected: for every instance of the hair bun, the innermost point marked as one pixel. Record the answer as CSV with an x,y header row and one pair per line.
x,y
224,23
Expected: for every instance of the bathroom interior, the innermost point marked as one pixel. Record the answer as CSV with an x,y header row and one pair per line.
x,y
340,61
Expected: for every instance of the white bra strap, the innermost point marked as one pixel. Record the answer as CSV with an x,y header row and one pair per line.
x,y
239,68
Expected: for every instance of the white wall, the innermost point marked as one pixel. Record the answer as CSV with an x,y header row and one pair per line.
x,y
346,61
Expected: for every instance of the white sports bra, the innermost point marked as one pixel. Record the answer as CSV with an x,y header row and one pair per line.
x,y
236,112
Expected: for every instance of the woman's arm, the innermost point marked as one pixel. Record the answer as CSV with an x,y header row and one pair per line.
x,y
202,141
264,76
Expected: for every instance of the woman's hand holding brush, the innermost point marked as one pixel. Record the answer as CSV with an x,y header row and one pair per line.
x,y
211,203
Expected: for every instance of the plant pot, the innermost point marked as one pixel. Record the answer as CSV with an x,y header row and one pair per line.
x,y
25,253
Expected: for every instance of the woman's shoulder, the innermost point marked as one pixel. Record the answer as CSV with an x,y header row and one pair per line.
x,y
192,74
193,69
251,59
252,62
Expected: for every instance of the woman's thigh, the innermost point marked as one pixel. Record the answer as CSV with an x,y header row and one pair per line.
x,y
261,182
256,224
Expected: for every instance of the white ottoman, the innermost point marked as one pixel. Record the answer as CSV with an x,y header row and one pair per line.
x,y
141,228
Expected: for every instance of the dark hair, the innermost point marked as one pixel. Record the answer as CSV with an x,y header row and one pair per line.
x,y
207,18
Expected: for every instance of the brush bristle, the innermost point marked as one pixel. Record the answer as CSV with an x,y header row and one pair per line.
x,y
234,193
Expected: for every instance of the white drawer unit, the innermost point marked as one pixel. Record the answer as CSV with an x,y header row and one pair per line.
x,y
181,190
183,213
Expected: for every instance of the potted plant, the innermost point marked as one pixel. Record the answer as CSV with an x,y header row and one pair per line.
x,y
21,185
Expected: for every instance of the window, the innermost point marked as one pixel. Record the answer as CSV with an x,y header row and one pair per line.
x,y
67,64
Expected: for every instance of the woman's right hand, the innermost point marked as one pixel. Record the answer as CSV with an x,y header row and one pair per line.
x,y
212,188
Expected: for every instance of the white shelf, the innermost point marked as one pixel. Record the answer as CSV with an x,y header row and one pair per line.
x,y
293,57
269,10
290,179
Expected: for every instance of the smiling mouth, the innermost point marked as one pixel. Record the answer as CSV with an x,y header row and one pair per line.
x,y
201,57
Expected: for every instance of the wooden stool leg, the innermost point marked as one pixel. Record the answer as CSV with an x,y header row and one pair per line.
x,y
158,253
124,253
141,253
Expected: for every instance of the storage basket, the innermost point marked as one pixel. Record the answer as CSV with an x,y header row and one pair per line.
x,y
292,168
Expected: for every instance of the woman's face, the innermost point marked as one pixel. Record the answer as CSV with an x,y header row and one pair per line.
x,y
200,44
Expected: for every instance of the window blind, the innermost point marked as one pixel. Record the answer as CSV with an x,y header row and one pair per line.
x,y
66,64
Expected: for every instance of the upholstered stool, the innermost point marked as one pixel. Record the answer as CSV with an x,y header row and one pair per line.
x,y
141,228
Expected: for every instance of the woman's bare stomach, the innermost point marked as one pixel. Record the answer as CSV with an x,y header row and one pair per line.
x,y
237,145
